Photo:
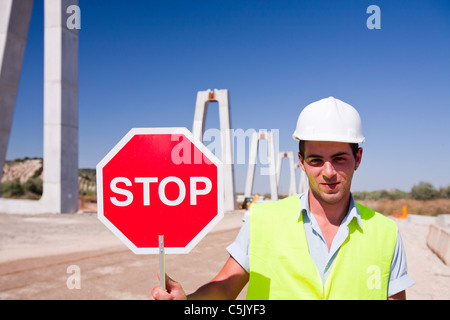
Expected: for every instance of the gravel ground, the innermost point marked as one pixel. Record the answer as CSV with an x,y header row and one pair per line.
x,y
38,256
431,275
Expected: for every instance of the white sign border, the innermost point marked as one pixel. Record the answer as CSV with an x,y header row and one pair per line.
x,y
202,148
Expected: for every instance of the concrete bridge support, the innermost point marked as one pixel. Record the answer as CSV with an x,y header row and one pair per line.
x,y
292,182
257,136
201,106
60,185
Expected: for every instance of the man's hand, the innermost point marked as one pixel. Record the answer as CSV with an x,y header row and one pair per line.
x,y
226,285
174,291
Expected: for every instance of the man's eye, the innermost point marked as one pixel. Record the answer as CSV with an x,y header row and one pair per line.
x,y
315,162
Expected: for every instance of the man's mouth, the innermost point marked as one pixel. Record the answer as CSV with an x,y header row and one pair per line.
x,y
330,186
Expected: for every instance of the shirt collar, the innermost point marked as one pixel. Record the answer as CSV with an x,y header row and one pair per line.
x,y
352,210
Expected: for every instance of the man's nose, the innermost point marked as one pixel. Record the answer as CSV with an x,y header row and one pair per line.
x,y
328,170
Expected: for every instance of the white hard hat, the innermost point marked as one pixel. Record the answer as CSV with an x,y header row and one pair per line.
x,y
329,119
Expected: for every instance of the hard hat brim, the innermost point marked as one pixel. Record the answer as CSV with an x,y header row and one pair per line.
x,y
333,138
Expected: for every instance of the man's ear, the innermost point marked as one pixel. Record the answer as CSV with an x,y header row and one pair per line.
x,y
300,161
358,158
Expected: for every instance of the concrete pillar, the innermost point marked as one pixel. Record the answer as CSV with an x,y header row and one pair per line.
x,y
14,23
292,184
303,184
60,185
257,136
201,105
251,164
60,108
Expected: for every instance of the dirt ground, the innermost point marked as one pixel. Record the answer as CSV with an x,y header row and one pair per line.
x,y
44,256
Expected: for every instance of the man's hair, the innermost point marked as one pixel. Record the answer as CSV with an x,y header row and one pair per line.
x,y
301,148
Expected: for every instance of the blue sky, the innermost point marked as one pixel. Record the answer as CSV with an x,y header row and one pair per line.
x,y
142,62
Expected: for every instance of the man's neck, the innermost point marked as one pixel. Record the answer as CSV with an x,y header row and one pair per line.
x,y
333,213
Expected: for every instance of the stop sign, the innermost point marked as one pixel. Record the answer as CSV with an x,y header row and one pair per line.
x,y
160,181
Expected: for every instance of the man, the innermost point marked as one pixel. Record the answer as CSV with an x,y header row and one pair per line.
x,y
321,244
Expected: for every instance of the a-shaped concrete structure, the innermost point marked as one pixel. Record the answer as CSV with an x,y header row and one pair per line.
x,y
292,182
60,185
201,106
303,184
257,136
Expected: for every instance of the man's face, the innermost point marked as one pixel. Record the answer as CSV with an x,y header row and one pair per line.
x,y
329,167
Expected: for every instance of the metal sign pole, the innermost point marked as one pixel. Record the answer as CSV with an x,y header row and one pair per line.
x,y
162,267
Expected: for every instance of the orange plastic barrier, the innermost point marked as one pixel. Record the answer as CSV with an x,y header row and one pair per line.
x,y
401,214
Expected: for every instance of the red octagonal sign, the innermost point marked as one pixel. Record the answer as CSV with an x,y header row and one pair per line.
x,y
160,181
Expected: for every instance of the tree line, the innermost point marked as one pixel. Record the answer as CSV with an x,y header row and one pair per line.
x,y
32,188
421,191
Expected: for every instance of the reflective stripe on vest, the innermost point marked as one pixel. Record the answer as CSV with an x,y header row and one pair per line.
x,y
282,268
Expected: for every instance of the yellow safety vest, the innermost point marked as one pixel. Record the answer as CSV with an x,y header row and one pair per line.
x,y
282,268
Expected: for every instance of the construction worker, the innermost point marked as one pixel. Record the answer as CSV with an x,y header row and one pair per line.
x,y
321,244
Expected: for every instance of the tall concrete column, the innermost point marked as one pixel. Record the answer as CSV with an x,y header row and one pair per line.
x,y
304,182
60,108
257,136
201,106
290,156
60,185
14,23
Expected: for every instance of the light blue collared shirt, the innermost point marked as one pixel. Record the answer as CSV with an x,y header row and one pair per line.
x,y
323,258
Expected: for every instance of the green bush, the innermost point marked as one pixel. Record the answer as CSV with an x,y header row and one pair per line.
x,y
444,192
360,195
381,194
33,185
12,189
424,191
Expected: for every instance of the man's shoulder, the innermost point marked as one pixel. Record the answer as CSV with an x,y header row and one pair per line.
x,y
374,217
